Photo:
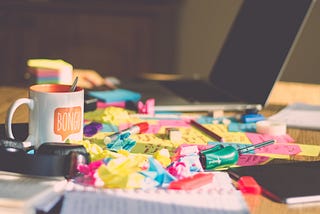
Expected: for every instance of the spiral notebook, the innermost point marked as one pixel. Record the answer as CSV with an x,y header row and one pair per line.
x,y
221,198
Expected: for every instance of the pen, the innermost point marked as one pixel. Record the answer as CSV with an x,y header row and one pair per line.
x,y
74,84
256,146
135,129
206,131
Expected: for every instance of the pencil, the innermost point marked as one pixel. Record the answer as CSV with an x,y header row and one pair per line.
x,y
206,131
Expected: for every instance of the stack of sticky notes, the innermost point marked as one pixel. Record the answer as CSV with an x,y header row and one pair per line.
x,y
50,71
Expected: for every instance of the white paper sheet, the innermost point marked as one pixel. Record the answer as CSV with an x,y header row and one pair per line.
x,y
299,115
221,198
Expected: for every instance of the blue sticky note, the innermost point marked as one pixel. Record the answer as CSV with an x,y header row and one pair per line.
x,y
252,118
210,120
241,127
109,128
160,175
122,142
205,120
116,95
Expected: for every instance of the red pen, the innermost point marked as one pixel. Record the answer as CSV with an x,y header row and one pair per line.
x,y
135,129
192,182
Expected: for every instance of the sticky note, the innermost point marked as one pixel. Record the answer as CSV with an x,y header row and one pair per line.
x,y
309,150
280,148
116,95
252,160
257,138
241,127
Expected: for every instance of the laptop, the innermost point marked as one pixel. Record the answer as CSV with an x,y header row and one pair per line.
x,y
250,62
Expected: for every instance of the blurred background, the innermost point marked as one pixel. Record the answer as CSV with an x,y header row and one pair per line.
x,y
125,38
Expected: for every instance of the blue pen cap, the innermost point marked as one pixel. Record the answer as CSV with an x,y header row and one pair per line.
x,y
252,118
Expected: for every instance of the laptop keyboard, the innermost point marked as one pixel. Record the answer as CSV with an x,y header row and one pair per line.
x,y
195,91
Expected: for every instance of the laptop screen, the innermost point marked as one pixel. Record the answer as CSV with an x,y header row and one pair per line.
x,y
257,46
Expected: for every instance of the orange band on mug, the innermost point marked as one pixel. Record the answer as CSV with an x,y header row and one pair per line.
x,y
52,88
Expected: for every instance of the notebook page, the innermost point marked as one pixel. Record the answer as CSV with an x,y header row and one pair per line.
x,y
21,192
220,197
299,115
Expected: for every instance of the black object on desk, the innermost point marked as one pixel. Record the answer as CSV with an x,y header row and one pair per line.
x,y
50,159
20,131
289,183
90,103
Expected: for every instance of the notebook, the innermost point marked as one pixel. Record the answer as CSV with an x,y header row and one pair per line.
x,y
219,197
251,60
27,194
289,183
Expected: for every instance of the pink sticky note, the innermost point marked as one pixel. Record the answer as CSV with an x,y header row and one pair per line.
x,y
251,160
153,128
280,148
123,126
115,104
173,123
147,108
258,138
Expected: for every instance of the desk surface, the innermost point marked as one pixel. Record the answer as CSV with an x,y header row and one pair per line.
x,y
284,93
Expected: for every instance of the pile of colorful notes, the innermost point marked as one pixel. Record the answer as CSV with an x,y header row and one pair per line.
x,y
42,71
152,158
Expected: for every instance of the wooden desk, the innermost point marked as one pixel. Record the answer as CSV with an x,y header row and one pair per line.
x,y
284,93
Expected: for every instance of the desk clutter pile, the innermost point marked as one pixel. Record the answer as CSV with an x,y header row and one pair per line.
x,y
170,147
158,161
152,154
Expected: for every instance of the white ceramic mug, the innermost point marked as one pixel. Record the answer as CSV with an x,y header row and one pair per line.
x,y
56,113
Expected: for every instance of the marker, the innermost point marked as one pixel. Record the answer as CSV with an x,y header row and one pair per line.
x,y
247,184
192,182
135,129
218,157
206,131
256,146
222,157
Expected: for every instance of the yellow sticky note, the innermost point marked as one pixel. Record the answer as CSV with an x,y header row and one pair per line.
x,y
278,156
58,70
49,63
150,143
219,129
111,115
309,150
238,137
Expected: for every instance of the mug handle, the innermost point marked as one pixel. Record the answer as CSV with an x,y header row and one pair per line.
x,y
10,113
